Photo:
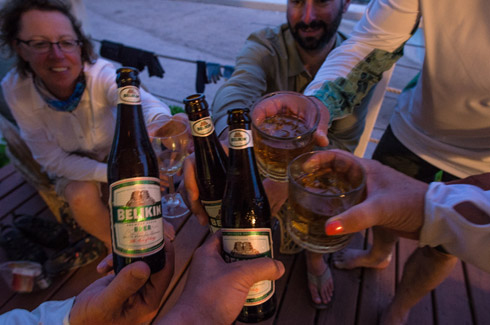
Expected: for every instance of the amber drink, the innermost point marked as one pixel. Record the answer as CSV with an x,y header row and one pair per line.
x,y
282,132
322,185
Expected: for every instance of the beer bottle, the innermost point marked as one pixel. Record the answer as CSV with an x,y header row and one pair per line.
x,y
246,215
133,176
211,159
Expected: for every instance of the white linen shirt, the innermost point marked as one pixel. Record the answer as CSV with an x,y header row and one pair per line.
x,y
444,226
445,118
47,313
73,144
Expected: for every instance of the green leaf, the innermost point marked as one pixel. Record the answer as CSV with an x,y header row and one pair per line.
x,y
4,160
174,109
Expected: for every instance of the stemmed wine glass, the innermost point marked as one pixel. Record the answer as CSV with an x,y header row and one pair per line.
x,y
170,141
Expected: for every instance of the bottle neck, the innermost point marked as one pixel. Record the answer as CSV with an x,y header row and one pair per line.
x,y
196,115
130,122
242,157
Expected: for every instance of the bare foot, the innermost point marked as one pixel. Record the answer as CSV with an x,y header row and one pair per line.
x,y
351,258
321,291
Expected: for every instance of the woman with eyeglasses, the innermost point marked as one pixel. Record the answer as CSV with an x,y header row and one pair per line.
x,y
64,100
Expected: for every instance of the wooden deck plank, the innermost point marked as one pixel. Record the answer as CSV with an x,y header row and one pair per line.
x,y
296,307
422,312
11,182
34,206
377,290
15,199
464,298
479,293
190,237
282,284
7,170
80,279
451,299
6,293
346,291
178,223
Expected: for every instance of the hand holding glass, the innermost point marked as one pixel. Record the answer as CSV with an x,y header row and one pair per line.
x,y
171,144
322,184
282,132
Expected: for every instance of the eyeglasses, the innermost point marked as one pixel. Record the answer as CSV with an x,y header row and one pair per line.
x,y
68,45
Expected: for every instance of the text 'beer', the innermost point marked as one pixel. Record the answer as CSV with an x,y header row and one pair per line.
x,y
211,159
246,215
135,198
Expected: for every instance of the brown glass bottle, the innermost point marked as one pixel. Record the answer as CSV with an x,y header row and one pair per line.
x,y
133,176
246,215
211,159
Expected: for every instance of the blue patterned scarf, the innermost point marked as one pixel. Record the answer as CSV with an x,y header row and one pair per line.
x,y
68,105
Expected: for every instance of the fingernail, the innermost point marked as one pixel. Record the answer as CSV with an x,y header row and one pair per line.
x,y
334,228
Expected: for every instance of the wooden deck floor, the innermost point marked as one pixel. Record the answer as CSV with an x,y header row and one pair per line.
x,y
360,295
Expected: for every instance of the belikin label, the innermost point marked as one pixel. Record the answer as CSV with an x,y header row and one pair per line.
x,y
249,243
240,139
129,95
136,216
202,127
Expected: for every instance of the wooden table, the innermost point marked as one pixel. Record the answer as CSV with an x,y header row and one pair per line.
x,y
360,295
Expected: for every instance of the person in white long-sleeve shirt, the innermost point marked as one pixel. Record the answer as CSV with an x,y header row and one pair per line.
x,y
440,128
64,101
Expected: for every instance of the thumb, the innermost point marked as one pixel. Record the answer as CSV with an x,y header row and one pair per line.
x,y
322,129
260,269
320,136
125,284
352,220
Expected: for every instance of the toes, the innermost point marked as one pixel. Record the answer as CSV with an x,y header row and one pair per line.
x,y
326,295
314,294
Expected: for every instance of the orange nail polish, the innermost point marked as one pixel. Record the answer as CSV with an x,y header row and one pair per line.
x,y
334,228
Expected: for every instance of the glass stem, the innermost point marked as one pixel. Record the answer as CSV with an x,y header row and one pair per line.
x,y
171,191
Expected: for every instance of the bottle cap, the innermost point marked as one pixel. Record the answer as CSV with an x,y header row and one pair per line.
x,y
238,116
195,103
127,76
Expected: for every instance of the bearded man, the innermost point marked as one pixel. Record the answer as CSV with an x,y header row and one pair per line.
x,y
288,57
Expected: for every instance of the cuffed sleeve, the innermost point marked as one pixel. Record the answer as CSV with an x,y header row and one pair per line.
x,y
444,226
50,312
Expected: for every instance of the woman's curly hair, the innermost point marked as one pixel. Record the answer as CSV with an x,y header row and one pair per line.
x,y
10,16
